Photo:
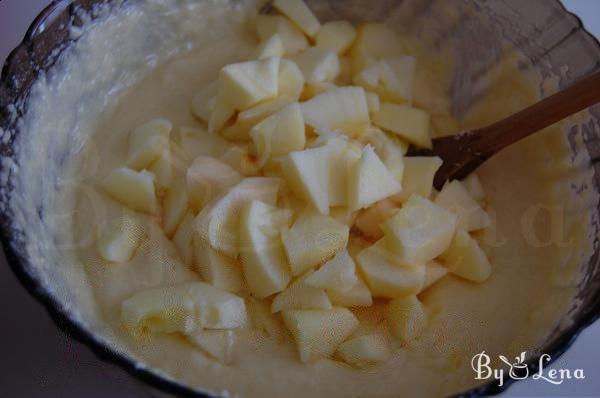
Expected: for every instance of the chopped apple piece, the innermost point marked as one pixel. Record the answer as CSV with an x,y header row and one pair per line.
x,y
206,178
420,231
183,308
134,189
465,258
311,90
312,240
391,78
217,269
387,275
291,80
162,168
263,258
368,222
419,172
473,185
407,317
455,198
218,222
305,172
374,41
217,343
294,40
279,134
318,333
199,142
373,102
263,319
240,130
174,207
300,14
147,143
272,47
201,102
343,156
336,36
411,124
338,274
222,112
370,181
245,84
317,64
364,350
301,296
238,158
120,240
433,273
358,295
183,238
343,108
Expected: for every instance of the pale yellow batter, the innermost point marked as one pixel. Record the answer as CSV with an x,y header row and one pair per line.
x,y
539,239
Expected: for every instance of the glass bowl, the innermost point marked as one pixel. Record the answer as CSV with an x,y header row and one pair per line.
x,y
552,39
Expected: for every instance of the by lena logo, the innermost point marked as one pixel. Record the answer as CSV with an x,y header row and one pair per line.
x,y
519,370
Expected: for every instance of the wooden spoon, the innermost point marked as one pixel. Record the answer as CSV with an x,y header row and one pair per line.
x,y
465,152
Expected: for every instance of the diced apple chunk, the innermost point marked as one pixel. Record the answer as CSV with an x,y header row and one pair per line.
x,y
239,158
368,222
301,296
272,47
263,319
343,156
217,269
240,130
222,112
318,333
300,14
279,134
407,318
183,238
343,108
217,343
263,258
147,143
294,40
245,84
312,240
370,181
317,64
391,78
433,273
208,177
364,350
183,308
120,240
201,102
373,102
455,198
473,185
387,275
411,124
465,258
174,207
419,172
218,222
358,295
336,36
420,231
134,189
291,80
305,172
338,274
374,41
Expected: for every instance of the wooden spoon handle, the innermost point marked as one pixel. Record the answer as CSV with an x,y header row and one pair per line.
x,y
465,152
